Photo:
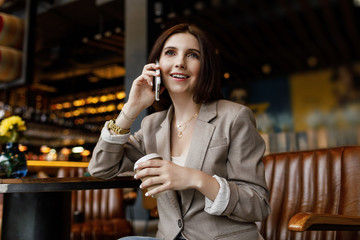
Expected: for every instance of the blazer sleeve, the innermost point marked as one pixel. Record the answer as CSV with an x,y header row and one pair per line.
x,y
249,194
111,159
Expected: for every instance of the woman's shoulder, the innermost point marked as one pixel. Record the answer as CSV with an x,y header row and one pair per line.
x,y
226,106
234,113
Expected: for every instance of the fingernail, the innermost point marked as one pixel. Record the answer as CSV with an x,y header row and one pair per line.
x,y
147,194
140,186
151,83
135,176
136,166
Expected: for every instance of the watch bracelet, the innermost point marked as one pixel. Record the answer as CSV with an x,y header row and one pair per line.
x,y
116,129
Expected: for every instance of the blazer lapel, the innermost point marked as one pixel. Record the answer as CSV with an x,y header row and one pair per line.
x,y
163,142
199,144
163,136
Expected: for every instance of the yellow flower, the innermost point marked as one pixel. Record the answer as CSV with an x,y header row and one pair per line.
x,y
11,126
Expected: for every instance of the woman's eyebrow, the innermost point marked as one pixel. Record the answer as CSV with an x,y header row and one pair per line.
x,y
188,50
169,47
193,49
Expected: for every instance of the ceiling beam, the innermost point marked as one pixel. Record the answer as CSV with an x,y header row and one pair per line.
x,y
336,35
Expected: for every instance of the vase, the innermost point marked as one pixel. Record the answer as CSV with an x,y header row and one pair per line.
x,y
12,162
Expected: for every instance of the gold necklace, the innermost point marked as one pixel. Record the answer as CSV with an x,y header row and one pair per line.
x,y
185,124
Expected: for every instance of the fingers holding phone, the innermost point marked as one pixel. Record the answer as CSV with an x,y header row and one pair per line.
x,y
157,82
147,86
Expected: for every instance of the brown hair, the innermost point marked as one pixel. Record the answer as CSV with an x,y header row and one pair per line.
x,y
208,86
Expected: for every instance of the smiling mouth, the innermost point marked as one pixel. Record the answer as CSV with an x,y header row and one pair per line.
x,y
179,76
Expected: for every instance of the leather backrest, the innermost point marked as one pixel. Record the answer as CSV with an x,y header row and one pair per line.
x,y
321,181
97,203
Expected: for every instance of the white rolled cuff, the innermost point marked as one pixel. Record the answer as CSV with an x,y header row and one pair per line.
x,y
218,206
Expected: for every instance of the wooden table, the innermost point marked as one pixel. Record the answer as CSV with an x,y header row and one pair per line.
x,y
40,208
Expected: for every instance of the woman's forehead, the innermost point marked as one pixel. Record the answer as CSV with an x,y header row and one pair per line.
x,y
182,40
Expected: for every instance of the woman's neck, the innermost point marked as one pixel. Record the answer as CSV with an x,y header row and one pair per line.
x,y
185,109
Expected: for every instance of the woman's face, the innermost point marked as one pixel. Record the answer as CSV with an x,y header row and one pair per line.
x,y
180,63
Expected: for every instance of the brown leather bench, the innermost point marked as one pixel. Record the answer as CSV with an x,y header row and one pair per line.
x,y
97,214
311,191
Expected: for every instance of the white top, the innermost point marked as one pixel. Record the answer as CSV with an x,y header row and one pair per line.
x,y
180,160
215,207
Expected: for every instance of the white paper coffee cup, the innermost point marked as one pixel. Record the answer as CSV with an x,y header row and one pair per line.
x,y
143,159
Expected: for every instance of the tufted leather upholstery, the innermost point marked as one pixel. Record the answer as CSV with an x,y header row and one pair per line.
x,y
320,181
98,214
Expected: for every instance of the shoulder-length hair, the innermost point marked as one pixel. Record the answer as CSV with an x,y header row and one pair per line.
x,y
208,87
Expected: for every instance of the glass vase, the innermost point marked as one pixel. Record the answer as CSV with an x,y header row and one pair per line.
x,y
12,162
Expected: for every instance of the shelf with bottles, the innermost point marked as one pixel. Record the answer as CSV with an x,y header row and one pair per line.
x,y
37,135
88,110
61,156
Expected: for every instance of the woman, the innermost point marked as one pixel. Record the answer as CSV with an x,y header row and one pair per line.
x,y
211,175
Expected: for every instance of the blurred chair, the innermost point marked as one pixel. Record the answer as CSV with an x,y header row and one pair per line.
x,y
314,194
97,214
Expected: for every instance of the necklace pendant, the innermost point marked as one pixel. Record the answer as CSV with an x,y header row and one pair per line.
x,y
180,134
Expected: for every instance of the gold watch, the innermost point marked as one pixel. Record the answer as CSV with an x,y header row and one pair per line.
x,y
116,129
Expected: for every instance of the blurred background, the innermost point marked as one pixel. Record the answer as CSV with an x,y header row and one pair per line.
x,y
295,63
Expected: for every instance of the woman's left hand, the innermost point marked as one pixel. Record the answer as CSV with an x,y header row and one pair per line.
x,y
170,176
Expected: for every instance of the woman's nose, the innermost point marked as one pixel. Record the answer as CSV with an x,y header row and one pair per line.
x,y
180,62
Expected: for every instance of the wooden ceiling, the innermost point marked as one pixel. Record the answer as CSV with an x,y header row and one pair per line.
x,y
77,41
256,39
272,38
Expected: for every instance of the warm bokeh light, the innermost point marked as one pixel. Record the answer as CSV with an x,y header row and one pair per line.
x,y
22,148
312,61
121,95
120,106
85,153
111,108
44,149
78,149
59,106
266,68
103,98
66,105
95,100
79,102
65,151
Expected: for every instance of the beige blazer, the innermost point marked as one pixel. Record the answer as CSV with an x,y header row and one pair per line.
x,y
225,143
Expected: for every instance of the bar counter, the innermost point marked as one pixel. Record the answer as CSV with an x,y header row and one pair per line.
x,y
51,167
56,164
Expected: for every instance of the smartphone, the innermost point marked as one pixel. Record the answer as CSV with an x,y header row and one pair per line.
x,y
157,83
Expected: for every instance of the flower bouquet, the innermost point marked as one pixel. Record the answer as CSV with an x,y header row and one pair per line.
x,y
12,161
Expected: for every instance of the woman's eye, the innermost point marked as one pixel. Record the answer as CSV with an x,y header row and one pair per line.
x,y
170,52
193,55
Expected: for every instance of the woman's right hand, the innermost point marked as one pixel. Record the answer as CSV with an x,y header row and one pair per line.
x,y
141,94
